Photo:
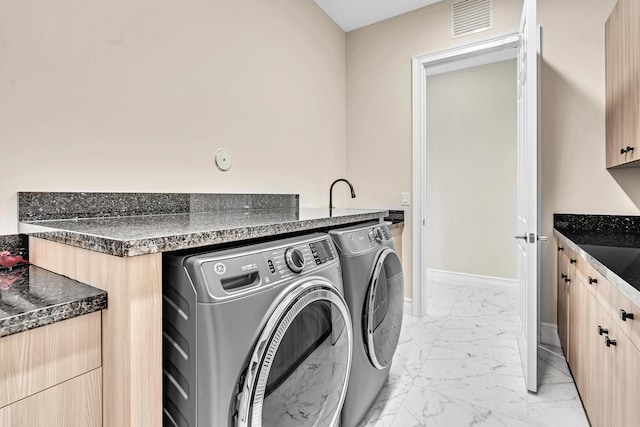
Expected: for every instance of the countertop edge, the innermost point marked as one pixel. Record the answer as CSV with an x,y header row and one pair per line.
x,y
52,314
152,245
622,285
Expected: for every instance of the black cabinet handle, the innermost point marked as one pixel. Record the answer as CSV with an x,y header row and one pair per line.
x,y
560,248
609,342
592,280
567,280
564,276
572,260
626,150
602,330
624,315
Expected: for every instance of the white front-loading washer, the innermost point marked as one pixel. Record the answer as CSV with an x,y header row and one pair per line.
x,y
257,335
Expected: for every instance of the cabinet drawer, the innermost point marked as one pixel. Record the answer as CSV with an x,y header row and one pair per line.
x,y
594,281
74,403
630,327
612,300
567,261
40,358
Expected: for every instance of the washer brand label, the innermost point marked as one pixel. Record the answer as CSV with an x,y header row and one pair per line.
x,y
220,268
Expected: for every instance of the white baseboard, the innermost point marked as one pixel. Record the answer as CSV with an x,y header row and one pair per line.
x,y
466,279
549,334
408,306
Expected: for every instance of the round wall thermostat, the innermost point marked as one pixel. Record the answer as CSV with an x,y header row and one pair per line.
x,y
223,159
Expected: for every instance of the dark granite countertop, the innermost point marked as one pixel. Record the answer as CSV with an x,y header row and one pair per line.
x,y
31,297
615,255
145,234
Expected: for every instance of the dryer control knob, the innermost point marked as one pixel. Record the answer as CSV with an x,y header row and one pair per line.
x,y
294,259
379,235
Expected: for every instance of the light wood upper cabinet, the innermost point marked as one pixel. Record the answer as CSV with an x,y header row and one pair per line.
x,y
622,68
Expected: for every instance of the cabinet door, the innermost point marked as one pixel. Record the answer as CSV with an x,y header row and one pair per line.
x,y
396,234
562,308
622,44
597,365
577,329
625,380
566,274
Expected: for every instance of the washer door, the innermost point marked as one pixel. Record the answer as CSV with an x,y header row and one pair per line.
x,y
299,369
383,308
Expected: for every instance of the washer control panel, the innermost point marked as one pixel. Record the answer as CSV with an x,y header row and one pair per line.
x,y
322,251
236,271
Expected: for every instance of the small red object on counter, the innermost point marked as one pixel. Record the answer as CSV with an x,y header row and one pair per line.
x,y
7,260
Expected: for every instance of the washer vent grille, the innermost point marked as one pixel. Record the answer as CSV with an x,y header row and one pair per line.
x,y
470,16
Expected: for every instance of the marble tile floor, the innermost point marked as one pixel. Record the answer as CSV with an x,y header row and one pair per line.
x,y
460,366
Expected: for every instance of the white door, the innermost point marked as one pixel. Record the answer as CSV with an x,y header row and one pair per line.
x,y
527,207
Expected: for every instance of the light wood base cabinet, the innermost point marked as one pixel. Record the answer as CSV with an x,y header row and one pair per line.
x,y
566,273
51,376
74,403
131,326
396,234
599,346
625,381
578,329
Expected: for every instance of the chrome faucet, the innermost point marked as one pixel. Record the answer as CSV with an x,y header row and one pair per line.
x,y
353,193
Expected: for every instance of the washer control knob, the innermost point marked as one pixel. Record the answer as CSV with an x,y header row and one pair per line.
x,y
294,259
379,235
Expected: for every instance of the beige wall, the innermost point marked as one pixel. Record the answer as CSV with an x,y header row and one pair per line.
x,y
573,174
574,178
137,96
379,100
471,170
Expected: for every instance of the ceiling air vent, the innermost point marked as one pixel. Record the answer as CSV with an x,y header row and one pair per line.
x,y
470,16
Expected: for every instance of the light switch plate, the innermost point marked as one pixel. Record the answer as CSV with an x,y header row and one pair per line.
x,y
405,199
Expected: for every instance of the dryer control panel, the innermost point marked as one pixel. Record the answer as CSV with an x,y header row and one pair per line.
x,y
360,240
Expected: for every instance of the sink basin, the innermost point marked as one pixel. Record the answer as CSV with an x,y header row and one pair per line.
x,y
625,262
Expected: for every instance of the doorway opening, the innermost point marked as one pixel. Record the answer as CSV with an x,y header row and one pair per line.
x,y
428,69
471,159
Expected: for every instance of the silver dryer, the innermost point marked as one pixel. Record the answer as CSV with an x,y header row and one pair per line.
x,y
374,289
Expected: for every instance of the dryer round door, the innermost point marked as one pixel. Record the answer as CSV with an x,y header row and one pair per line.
x,y
383,308
299,370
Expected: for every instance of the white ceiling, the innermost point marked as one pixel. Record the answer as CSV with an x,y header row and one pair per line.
x,y
353,14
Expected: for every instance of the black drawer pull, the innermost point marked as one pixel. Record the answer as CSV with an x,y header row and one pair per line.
x,y
609,342
572,260
602,330
567,280
592,280
626,150
624,315
564,276
560,248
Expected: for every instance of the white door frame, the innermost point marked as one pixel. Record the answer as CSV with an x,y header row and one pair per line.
x,y
477,53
